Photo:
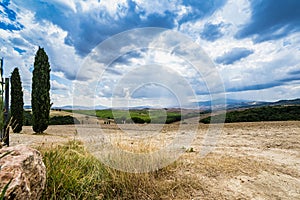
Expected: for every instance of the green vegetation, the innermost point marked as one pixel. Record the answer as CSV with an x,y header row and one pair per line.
x,y
40,97
73,173
63,120
137,116
268,113
27,118
17,102
195,114
55,120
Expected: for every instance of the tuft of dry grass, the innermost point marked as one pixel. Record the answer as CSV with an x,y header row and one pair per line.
x,y
73,173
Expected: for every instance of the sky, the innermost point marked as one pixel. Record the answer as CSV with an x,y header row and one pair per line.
x,y
102,52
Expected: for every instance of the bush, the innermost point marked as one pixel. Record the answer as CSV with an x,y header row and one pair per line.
x,y
138,120
63,120
55,120
172,119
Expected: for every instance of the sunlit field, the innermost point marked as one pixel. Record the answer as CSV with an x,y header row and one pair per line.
x,y
250,160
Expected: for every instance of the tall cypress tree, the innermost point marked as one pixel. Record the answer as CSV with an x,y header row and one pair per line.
x,y
17,102
40,96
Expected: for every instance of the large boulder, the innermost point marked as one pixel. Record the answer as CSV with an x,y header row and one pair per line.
x,y
25,167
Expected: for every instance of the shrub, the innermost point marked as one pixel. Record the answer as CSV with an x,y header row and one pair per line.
x,y
138,120
63,120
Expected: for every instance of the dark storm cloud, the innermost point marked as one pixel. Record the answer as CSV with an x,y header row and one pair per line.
x,y
234,55
261,86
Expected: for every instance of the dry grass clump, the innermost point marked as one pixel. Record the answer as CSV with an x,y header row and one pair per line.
x,y
73,173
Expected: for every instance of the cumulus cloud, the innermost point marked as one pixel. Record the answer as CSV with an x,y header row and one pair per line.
x,y
58,86
199,9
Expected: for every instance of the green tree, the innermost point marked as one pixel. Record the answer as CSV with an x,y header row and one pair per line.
x,y
17,102
40,96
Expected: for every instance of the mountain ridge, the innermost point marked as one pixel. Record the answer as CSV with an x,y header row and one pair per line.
x,y
203,105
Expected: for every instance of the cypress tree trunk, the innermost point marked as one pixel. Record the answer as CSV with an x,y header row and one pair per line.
x,y
17,102
40,96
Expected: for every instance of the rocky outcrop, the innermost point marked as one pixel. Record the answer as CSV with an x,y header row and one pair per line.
x,y
25,167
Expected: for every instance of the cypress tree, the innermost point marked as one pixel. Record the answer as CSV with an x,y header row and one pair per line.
x,y
40,96
17,102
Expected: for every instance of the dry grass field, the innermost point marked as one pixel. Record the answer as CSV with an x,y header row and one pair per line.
x,y
249,161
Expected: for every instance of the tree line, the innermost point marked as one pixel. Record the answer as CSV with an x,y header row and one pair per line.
x,y
40,95
266,113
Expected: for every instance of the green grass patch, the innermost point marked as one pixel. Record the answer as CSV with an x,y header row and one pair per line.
x,y
140,116
73,174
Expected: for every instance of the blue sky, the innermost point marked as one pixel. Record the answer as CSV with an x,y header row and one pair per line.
x,y
255,46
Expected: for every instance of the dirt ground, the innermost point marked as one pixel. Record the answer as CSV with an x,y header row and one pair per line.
x,y
244,161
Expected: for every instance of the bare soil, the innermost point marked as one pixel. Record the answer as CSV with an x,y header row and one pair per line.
x,y
249,160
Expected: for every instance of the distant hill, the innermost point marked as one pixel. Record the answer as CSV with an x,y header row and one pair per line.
x,y
286,102
235,104
27,107
70,107
203,105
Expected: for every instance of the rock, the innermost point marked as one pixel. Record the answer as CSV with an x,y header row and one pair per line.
x,y
25,167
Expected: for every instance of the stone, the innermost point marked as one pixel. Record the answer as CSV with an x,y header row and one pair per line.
x,y
24,165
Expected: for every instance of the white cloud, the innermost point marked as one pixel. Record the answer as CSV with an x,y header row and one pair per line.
x,y
58,86
235,12
61,99
156,6
87,5
27,97
114,7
